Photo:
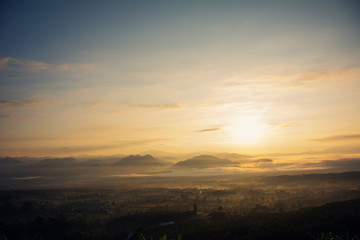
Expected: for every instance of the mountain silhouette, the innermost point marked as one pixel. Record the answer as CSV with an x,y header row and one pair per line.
x,y
55,162
7,160
206,161
138,160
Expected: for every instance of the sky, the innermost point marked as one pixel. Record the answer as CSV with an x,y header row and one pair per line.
x,y
124,77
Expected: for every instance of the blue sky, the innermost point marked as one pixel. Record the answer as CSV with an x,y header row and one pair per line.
x,y
55,31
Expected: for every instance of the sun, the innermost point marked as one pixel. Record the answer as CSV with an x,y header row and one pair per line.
x,y
247,130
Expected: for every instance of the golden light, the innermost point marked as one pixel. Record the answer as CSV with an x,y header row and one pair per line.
x,y
247,130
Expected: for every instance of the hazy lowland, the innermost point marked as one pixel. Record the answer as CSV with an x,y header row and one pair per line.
x,y
199,197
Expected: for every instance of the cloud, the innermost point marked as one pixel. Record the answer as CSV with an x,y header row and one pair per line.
x,y
26,178
344,164
3,62
320,76
134,105
235,156
67,150
343,150
351,164
284,166
161,106
10,63
294,77
264,160
19,103
10,116
209,129
131,175
337,138
88,105
127,143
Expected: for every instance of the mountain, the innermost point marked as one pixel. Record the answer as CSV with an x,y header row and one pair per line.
x,y
206,161
55,162
138,160
7,160
103,158
92,163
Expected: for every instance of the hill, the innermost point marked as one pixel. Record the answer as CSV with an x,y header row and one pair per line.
x,y
205,161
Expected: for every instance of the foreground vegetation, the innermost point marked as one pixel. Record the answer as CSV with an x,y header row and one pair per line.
x,y
341,218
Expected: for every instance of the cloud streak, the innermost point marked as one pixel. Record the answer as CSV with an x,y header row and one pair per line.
x,y
10,63
293,78
321,76
264,160
19,103
343,164
4,116
337,138
311,76
133,105
160,106
65,150
209,129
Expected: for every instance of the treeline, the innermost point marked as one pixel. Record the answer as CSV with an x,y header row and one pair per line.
x,y
341,218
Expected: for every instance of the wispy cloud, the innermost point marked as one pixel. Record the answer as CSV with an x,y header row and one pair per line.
x,y
293,77
319,76
132,175
78,149
209,129
127,143
337,138
19,103
264,160
10,63
10,116
88,105
157,106
25,178
134,105
347,164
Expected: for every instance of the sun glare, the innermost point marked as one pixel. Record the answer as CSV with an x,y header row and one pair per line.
x,y
247,130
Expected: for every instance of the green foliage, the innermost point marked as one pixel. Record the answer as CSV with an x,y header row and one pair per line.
x,y
139,236
3,237
328,236
332,236
163,237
